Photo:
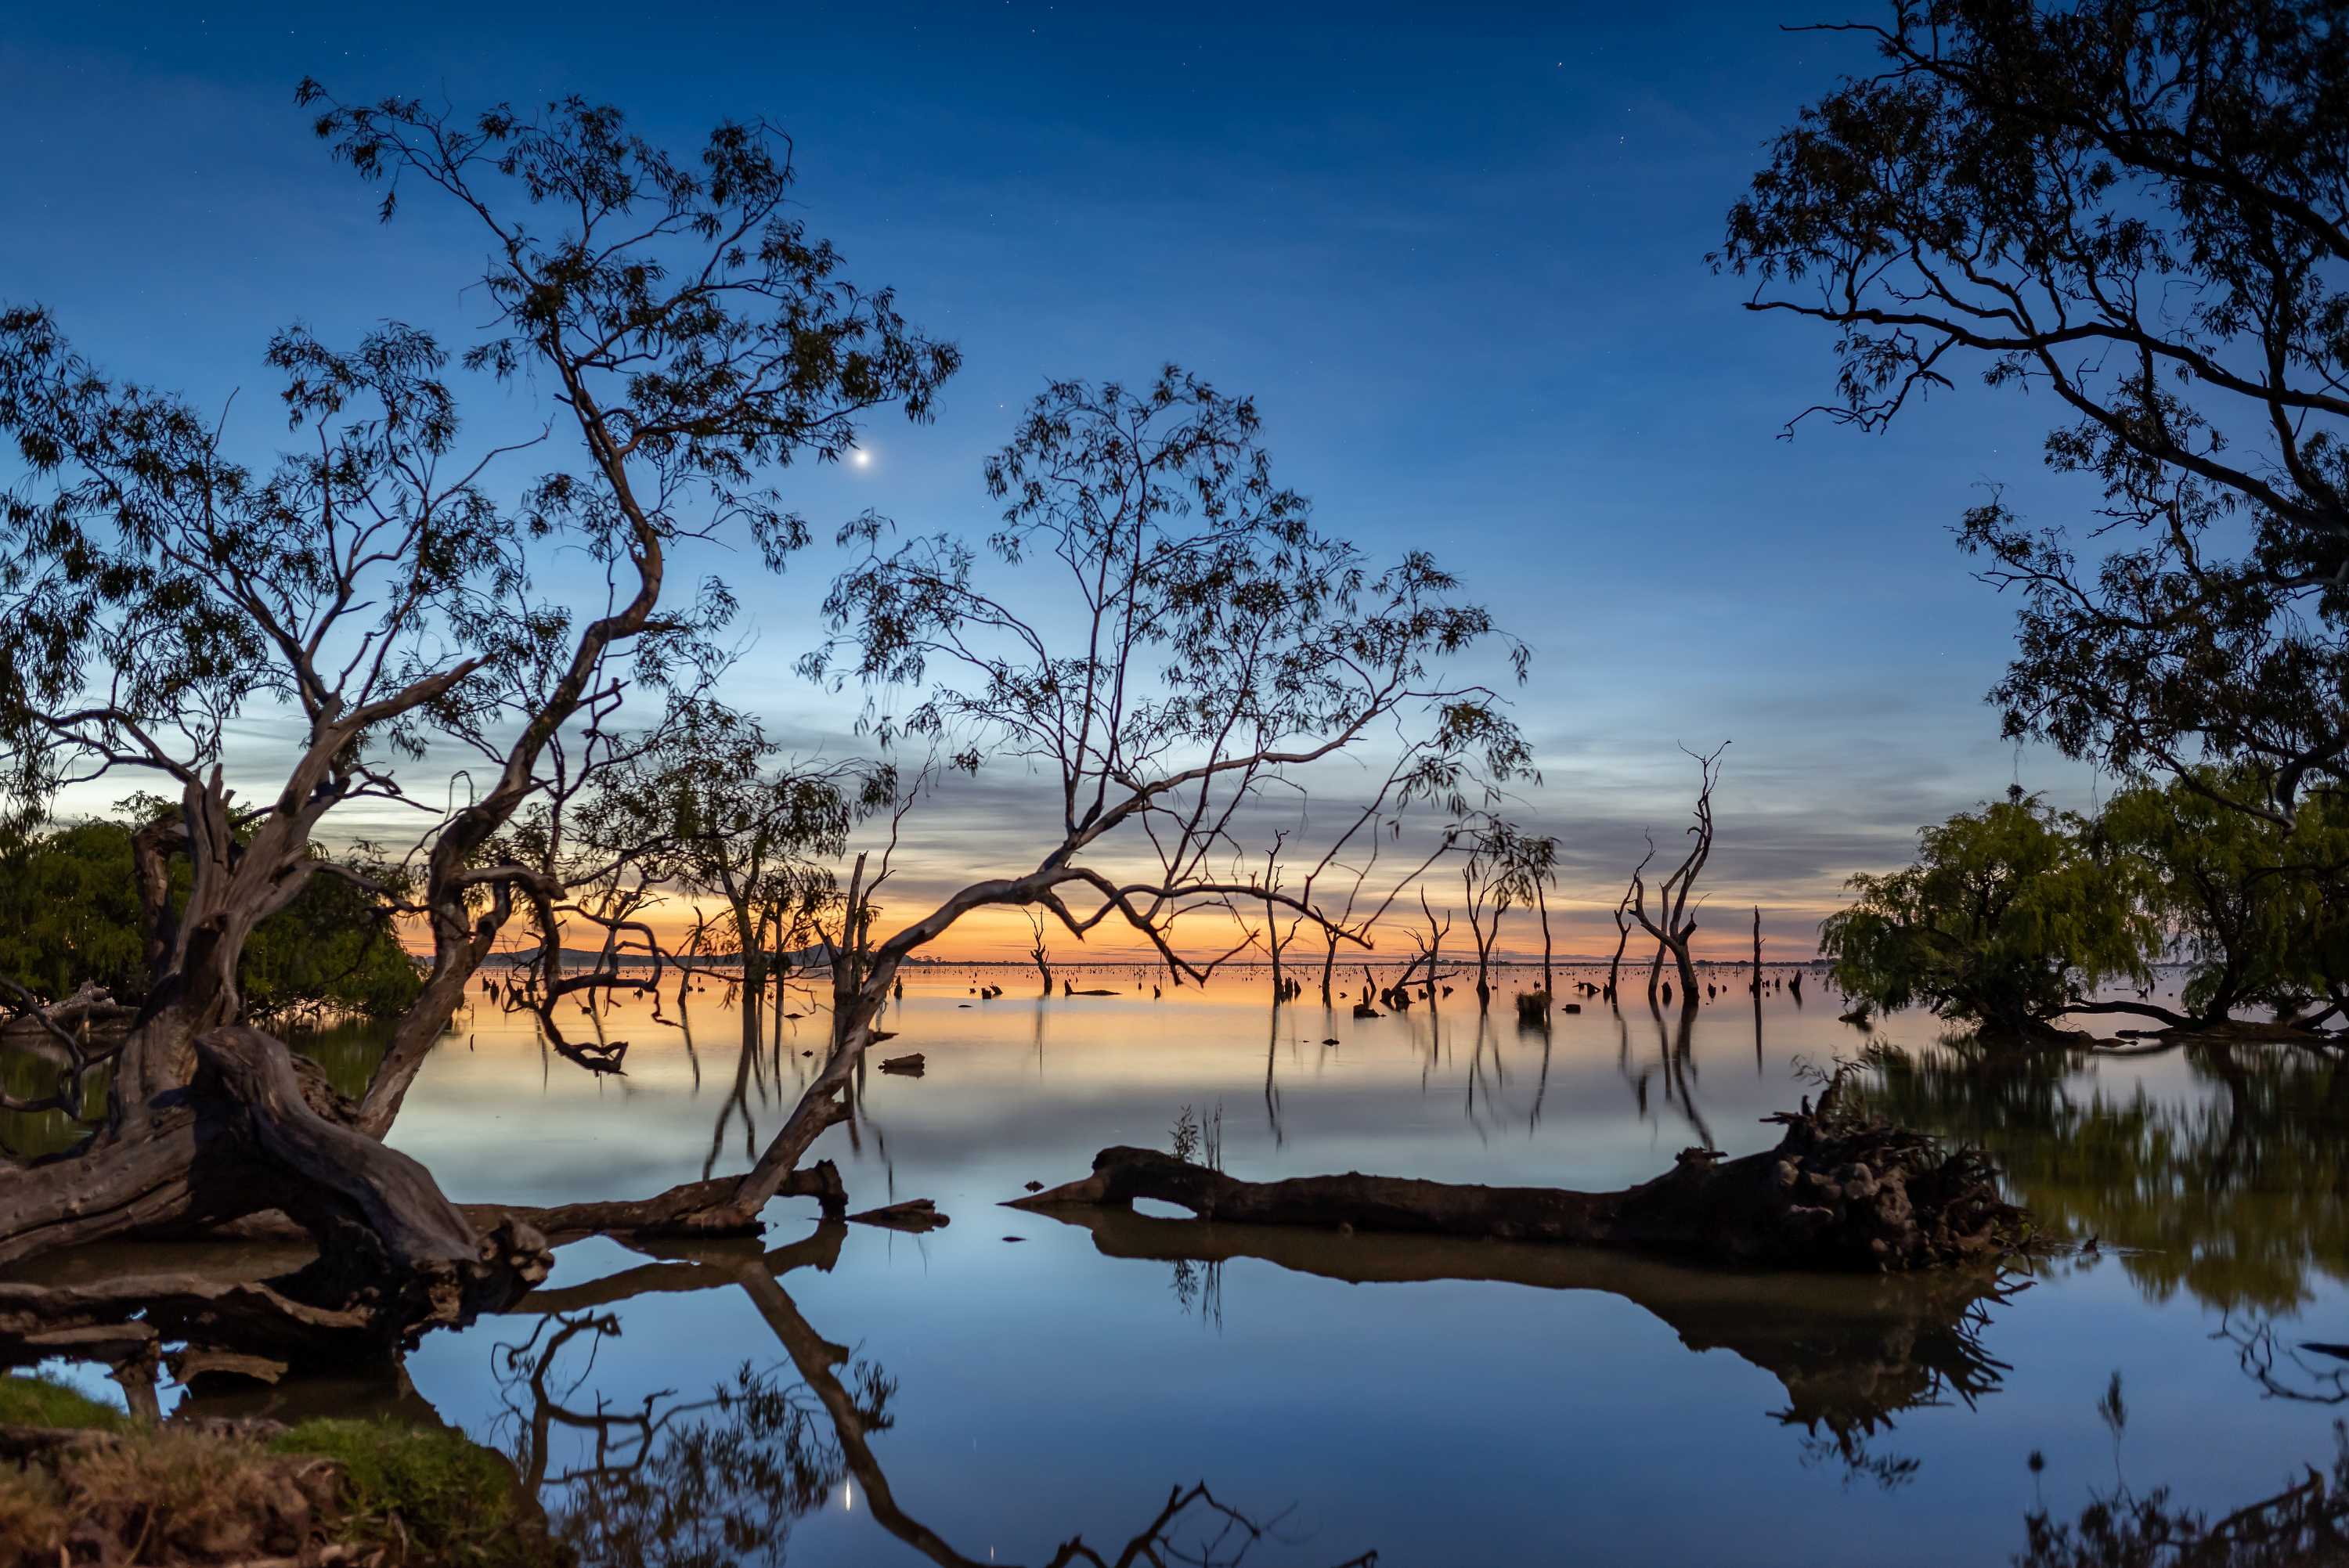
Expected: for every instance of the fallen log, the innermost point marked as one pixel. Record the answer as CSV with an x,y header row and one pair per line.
x,y
1837,1192
910,1066
915,1215
708,1208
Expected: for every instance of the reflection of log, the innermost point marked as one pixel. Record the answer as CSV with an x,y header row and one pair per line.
x,y
689,1266
1851,1353
1833,1195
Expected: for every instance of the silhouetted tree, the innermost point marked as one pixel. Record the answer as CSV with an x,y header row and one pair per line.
x,y
696,341
2006,920
1672,924
2140,211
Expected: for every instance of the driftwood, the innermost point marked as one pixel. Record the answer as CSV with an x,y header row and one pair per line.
x,y
1836,1193
90,1005
692,1209
910,1066
915,1215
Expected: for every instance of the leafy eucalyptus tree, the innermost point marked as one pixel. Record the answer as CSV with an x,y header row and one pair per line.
x,y
1504,871
735,819
382,591
2140,211
2255,909
2008,920
1164,636
1162,632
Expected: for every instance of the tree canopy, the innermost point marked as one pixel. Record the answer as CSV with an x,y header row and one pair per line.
x,y
2141,211
2006,920
2017,913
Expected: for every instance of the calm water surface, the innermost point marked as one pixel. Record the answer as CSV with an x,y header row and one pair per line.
x,y
1033,1379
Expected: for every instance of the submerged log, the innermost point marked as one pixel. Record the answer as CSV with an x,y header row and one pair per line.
x,y
915,1215
1836,1193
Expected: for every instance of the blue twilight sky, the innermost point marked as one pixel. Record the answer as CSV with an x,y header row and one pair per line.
x,y
1457,251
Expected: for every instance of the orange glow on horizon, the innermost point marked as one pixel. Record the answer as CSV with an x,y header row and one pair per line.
x,y
1000,935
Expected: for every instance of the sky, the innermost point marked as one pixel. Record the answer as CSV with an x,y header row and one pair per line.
x,y
1456,253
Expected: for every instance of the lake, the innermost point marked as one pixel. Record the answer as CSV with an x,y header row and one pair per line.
x,y
1015,1380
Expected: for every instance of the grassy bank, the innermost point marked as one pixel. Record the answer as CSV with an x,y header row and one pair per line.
x,y
80,1483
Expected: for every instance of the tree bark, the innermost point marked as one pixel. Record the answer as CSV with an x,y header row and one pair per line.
x,y
1833,1195
395,1257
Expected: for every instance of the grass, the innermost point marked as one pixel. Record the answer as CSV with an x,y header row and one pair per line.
x,y
455,1501
411,1497
30,1399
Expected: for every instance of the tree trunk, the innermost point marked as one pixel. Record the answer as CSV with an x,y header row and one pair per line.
x,y
1272,944
394,1256
1688,970
1541,900
1833,1195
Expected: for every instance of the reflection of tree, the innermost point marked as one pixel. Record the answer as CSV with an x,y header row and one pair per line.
x,y
737,1469
2305,1371
1200,1285
2303,1526
692,1484
2233,1198
1851,1353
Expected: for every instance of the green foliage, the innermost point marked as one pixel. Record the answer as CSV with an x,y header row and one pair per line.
x,y
2133,210
2253,905
69,913
30,1400
2006,920
454,1502
2235,1196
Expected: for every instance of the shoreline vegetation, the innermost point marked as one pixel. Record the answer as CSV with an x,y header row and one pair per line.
x,y
81,1482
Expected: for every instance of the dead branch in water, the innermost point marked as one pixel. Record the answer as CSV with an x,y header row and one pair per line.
x,y
1837,1191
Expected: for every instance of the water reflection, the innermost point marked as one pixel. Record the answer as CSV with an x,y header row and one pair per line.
x,y
2237,1194
2305,1525
1438,1416
1849,1354
674,1484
